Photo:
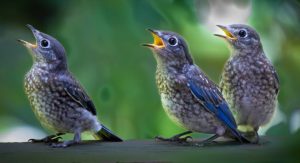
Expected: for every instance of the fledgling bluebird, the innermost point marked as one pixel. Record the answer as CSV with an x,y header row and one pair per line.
x,y
188,96
57,99
249,82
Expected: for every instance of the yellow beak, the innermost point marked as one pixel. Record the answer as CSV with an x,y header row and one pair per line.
x,y
27,44
157,41
228,34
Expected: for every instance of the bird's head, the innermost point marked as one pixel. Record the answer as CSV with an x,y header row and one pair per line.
x,y
46,50
169,48
240,36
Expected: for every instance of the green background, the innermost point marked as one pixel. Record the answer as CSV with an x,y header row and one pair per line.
x,y
103,43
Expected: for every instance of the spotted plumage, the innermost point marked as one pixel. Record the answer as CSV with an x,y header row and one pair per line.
x,y
48,94
57,99
188,96
249,82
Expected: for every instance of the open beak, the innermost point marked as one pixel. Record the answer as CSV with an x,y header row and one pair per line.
x,y
157,43
27,44
228,35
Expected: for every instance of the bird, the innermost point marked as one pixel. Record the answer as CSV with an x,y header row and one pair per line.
x,y
188,96
57,99
249,82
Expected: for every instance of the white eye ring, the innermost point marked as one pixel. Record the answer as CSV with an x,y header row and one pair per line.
x,y
243,33
173,41
45,43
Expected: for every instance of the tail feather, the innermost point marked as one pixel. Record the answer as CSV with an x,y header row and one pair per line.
x,y
244,139
252,137
106,135
238,136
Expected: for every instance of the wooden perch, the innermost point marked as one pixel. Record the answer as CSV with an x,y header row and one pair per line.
x,y
144,151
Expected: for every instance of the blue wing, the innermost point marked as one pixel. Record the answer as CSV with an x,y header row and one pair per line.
x,y
213,101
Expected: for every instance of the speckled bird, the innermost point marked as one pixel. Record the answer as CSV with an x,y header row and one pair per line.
x,y
57,99
249,82
188,96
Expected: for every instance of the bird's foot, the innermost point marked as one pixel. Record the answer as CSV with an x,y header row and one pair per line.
x,y
63,144
204,143
208,141
175,139
49,139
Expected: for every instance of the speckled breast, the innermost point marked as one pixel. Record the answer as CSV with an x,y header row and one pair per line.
x,y
181,106
49,101
249,90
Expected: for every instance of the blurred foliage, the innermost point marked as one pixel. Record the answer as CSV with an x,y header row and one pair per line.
x,y
102,40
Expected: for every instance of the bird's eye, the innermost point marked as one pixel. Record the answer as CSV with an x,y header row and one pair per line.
x,y
45,43
242,33
173,41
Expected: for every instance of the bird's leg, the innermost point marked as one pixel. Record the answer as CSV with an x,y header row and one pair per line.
x,y
48,139
255,137
64,144
207,141
176,138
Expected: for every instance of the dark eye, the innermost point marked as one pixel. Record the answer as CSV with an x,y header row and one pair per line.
x,y
44,43
242,33
173,41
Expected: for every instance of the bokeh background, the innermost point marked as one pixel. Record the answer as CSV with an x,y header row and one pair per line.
x,y
103,43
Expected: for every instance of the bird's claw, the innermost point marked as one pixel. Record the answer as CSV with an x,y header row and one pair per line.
x,y
186,139
48,140
175,139
202,144
63,144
